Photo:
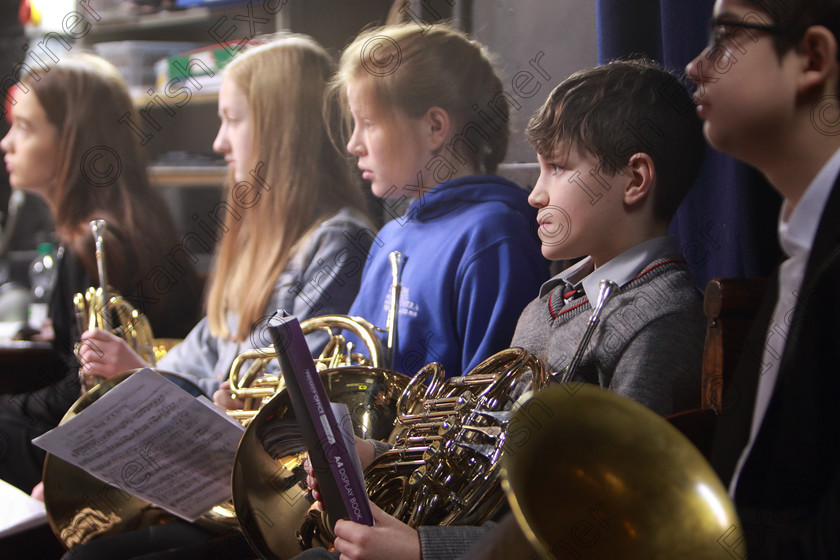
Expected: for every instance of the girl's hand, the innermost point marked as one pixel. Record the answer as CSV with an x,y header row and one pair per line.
x,y
38,492
105,355
365,450
223,398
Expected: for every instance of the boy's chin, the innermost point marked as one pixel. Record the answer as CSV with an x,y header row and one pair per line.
x,y
554,253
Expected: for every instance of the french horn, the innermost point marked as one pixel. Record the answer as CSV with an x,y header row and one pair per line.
x,y
81,507
103,308
250,383
448,435
592,475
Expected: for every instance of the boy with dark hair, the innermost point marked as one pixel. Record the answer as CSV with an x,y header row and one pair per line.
x,y
619,147
778,109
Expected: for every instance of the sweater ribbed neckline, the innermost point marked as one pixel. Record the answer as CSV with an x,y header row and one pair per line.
x,y
660,266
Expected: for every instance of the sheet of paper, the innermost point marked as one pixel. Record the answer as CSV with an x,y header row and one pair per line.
x,y
18,512
152,439
8,329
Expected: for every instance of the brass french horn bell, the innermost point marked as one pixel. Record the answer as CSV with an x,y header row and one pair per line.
x,y
270,494
592,475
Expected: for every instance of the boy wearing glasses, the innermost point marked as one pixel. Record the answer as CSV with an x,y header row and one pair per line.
x,y
767,90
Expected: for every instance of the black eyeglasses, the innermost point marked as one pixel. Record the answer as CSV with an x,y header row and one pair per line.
x,y
722,29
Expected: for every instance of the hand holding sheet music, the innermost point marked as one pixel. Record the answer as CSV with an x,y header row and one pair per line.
x,y
155,441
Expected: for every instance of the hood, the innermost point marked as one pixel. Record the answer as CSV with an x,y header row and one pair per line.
x,y
474,189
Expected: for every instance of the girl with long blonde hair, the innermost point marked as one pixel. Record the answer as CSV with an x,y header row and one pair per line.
x,y
294,234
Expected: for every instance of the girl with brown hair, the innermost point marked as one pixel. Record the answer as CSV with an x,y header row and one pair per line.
x,y
67,146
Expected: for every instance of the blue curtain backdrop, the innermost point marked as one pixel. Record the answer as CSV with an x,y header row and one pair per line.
x,y
727,224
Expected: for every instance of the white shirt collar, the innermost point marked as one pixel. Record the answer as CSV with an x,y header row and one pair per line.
x,y
797,232
621,269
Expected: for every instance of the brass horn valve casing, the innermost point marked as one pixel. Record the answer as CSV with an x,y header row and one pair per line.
x,y
447,437
447,441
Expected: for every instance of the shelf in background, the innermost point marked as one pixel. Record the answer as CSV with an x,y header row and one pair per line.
x,y
188,175
210,98
524,174
167,18
201,23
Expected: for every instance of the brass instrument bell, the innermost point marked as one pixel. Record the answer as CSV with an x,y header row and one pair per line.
x,y
592,475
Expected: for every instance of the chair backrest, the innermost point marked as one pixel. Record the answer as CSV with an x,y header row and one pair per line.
x,y
730,305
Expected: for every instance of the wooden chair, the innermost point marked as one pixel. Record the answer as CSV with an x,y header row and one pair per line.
x,y
730,305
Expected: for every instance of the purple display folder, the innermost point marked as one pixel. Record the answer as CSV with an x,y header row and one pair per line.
x,y
333,456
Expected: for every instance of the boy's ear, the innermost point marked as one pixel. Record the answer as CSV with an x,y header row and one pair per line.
x,y
642,175
818,50
437,125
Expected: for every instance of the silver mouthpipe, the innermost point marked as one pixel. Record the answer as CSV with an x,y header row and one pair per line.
x,y
606,289
397,262
97,227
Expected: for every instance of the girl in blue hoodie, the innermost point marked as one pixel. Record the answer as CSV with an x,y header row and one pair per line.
x,y
430,127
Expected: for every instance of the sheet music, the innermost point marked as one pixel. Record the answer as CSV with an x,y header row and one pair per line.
x,y
19,511
152,439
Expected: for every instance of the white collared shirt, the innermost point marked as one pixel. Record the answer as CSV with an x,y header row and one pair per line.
x,y
621,269
797,230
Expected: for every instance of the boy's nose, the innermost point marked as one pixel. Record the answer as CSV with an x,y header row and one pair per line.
x,y
537,197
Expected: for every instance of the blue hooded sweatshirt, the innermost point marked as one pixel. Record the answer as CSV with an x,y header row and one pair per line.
x,y
473,263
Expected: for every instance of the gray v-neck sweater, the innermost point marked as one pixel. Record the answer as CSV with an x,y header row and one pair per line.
x,y
648,345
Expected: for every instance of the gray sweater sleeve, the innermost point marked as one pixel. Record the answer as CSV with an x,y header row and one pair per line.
x,y
195,358
449,542
322,278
